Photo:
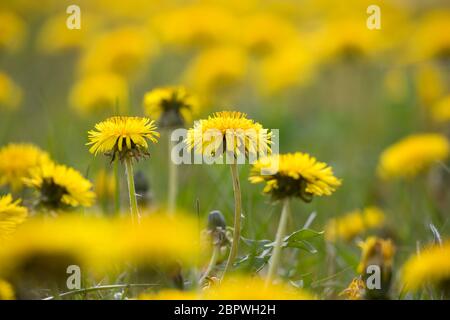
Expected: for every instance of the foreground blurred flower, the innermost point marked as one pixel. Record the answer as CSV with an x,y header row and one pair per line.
x,y
60,187
354,223
12,31
412,155
10,92
16,161
125,51
99,92
125,137
11,215
233,134
38,253
293,175
6,290
441,110
377,252
236,288
172,106
430,266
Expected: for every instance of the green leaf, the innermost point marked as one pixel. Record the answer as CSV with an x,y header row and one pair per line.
x,y
303,234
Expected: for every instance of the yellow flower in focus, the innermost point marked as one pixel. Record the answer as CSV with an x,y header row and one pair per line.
x,y
173,106
105,185
11,215
294,175
354,223
216,69
99,92
230,132
412,155
125,136
441,110
16,161
59,186
355,290
12,31
430,266
254,288
10,92
125,51
207,24
6,291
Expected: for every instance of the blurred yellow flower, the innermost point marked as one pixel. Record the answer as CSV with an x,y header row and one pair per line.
x,y
172,106
412,155
230,132
430,266
59,186
354,223
430,83
55,37
376,251
99,92
195,25
6,291
216,69
122,135
16,161
12,31
295,175
441,110
126,51
10,92
11,215
170,294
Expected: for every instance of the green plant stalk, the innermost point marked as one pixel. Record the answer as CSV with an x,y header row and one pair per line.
x,y
132,191
173,181
211,265
237,218
276,256
117,188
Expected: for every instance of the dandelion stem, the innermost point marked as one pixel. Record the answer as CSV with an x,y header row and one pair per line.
x,y
274,262
173,180
237,218
211,265
116,189
131,190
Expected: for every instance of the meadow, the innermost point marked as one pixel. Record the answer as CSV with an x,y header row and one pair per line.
x,y
372,104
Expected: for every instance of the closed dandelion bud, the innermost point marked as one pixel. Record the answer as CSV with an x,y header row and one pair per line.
x,y
376,267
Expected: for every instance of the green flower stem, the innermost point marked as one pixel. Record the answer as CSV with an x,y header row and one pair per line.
x,y
237,218
276,256
211,265
117,188
132,191
173,181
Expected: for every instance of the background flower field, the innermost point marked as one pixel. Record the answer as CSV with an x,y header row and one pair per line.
x,y
312,69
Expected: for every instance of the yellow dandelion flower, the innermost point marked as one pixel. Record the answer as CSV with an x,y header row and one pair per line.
x,y
217,69
355,290
173,106
298,175
430,83
412,155
6,290
377,252
254,288
126,136
99,92
125,51
441,110
11,215
59,186
430,266
354,224
16,161
10,92
231,132
12,31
